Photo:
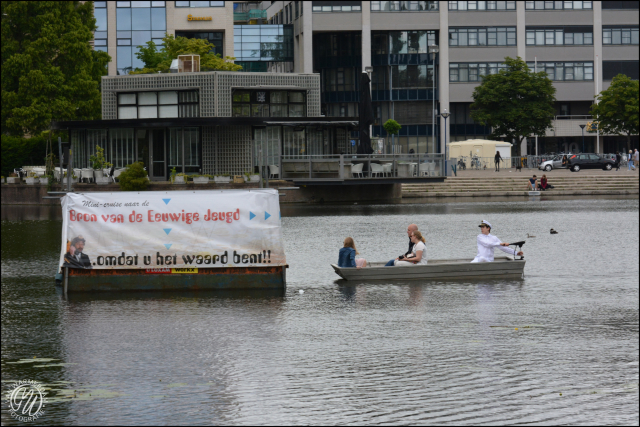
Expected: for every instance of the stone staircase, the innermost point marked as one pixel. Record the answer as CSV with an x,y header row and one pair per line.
x,y
517,186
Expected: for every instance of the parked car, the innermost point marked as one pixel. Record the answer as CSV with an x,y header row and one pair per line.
x,y
554,163
589,161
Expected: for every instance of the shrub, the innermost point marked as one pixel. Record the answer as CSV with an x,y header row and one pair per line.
x,y
134,178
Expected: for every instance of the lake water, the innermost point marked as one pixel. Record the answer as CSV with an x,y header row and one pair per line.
x,y
343,353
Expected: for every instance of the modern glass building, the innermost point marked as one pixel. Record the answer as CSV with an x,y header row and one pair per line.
x,y
581,45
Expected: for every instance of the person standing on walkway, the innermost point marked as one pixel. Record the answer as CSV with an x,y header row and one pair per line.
x,y
636,158
618,160
630,161
497,159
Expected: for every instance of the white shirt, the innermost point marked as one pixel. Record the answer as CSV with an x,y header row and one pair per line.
x,y
420,247
486,244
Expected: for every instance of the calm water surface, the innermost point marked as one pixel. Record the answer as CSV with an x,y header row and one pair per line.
x,y
341,352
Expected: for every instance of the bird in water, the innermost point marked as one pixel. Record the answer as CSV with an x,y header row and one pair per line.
x,y
530,235
553,231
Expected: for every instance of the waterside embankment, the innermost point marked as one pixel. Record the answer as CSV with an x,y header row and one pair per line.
x,y
514,184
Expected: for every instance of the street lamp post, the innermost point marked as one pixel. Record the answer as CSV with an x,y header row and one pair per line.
x,y
369,71
433,52
582,127
445,115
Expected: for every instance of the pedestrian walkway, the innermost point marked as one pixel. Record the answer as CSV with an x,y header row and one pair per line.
x,y
508,182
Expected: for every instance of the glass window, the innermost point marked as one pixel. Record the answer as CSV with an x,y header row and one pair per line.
x,y
168,111
158,19
123,19
150,112
127,113
169,97
491,36
101,19
147,98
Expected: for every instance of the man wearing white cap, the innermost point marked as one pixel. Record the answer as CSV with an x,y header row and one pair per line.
x,y
487,242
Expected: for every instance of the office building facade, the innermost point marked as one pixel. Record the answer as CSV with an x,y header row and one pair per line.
x,y
581,45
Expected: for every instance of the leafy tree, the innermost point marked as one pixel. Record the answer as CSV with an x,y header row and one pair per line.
x,y
617,109
49,70
134,178
160,61
392,127
516,102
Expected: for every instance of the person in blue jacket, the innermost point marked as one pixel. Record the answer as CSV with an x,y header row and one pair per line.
x,y
347,255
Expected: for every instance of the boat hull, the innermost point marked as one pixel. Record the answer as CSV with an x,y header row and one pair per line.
x,y
205,279
458,269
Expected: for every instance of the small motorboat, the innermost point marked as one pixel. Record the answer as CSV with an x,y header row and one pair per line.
x,y
437,269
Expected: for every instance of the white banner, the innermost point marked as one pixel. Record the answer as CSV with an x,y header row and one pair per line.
x,y
168,230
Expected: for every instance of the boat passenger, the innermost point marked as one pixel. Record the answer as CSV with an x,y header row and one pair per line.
x,y
347,255
410,229
418,255
487,242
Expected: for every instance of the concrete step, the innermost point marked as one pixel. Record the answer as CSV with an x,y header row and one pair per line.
x,y
550,193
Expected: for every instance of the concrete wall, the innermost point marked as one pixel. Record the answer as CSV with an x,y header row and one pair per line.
x,y
558,17
619,17
497,18
481,53
337,21
560,53
393,21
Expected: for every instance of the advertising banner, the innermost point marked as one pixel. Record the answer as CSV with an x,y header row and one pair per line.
x,y
177,231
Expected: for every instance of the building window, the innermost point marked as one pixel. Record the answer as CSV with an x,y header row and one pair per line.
x,y
215,38
269,103
610,69
482,5
561,71
472,72
402,6
137,22
337,6
411,76
271,43
296,10
100,35
154,105
401,42
615,35
484,36
559,5
620,5
559,36
199,4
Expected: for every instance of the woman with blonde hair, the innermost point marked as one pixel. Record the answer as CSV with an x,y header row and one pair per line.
x,y
418,254
347,255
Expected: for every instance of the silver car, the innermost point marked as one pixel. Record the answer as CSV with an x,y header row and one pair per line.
x,y
555,163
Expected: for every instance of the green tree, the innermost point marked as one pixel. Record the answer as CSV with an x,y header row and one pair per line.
x,y
49,70
160,60
515,102
392,127
616,112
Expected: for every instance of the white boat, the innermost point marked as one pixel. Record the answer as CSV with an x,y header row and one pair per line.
x,y
437,269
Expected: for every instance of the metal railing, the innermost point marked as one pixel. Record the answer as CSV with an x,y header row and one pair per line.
x,y
362,166
524,162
